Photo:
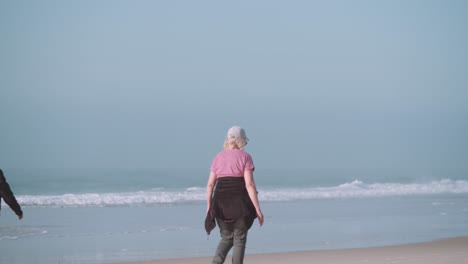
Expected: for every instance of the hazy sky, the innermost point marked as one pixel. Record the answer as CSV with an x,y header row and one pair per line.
x,y
316,84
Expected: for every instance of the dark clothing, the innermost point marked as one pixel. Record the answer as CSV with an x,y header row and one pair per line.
x,y
7,195
230,202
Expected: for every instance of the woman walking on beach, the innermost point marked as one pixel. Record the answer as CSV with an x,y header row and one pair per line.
x,y
234,203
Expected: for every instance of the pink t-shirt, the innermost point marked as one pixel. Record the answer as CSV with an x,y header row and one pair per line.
x,y
232,162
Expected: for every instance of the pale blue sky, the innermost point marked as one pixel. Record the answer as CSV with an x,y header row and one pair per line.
x,y
316,84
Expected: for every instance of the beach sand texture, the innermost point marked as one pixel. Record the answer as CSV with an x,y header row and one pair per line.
x,y
447,251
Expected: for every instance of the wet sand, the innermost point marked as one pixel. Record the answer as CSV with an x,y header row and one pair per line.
x,y
447,251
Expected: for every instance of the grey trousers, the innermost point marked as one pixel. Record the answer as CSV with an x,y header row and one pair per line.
x,y
232,235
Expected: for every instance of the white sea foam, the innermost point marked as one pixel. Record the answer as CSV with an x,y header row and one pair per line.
x,y
358,189
111,199
13,233
355,189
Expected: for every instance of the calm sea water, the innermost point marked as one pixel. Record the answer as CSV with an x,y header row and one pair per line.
x,y
103,216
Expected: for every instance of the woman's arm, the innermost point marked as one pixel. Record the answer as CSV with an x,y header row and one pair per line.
x,y
252,190
209,190
8,197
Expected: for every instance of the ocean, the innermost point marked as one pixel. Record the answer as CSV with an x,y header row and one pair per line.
x,y
111,215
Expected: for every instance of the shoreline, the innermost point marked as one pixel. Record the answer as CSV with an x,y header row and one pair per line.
x,y
443,251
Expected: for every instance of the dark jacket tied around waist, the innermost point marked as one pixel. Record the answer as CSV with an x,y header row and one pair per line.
x,y
230,202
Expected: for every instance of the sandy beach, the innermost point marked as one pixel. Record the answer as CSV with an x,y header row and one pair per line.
x,y
447,251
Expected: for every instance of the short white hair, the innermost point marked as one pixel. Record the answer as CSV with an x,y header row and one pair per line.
x,y
236,143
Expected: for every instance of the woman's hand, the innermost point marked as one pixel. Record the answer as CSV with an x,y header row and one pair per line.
x,y
260,217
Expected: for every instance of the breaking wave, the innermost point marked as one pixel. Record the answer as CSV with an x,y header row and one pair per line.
x,y
355,189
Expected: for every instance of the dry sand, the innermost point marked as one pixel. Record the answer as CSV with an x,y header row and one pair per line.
x,y
447,251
